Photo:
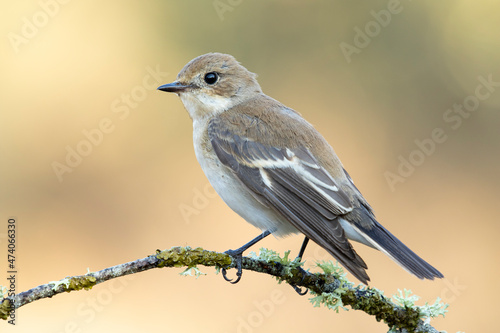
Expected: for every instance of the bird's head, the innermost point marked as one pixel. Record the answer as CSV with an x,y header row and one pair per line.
x,y
212,83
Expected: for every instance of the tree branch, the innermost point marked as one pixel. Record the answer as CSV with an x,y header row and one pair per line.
x,y
326,286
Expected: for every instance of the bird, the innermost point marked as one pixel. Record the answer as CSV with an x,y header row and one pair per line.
x,y
276,171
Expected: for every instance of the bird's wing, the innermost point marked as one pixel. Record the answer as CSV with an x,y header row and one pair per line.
x,y
291,181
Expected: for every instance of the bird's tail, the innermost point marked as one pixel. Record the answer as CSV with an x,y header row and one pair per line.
x,y
381,239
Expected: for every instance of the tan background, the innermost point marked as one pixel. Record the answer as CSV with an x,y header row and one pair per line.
x,y
124,199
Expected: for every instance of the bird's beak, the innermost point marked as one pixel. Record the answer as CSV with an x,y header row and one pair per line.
x,y
175,87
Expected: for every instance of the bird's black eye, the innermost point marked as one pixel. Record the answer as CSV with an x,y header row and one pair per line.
x,y
211,78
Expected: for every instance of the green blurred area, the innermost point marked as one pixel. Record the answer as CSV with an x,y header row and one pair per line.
x,y
67,67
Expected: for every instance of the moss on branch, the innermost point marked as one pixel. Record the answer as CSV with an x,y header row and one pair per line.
x,y
329,288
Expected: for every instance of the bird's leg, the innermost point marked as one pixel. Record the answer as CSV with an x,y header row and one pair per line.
x,y
303,248
238,255
301,253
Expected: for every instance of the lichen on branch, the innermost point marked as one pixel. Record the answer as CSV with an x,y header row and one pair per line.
x,y
329,288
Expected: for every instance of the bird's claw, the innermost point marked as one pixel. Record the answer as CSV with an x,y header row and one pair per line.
x,y
238,256
298,289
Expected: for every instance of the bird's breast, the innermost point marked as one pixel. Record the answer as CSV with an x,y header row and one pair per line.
x,y
232,191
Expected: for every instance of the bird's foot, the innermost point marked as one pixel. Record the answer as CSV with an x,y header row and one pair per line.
x,y
298,289
238,256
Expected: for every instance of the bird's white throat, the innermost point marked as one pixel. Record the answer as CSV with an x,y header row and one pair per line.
x,y
202,105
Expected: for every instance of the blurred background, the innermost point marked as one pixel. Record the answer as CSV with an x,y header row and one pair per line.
x,y
98,167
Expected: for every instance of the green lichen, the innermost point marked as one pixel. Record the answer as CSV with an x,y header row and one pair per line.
x,y
6,308
433,310
273,258
401,312
406,299
188,257
192,271
332,301
75,283
379,306
332,269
